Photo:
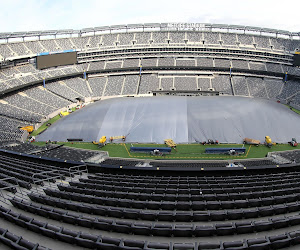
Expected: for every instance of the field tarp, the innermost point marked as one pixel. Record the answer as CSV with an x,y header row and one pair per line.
x,y
227,119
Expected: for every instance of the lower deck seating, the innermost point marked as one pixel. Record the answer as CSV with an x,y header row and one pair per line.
x,y
138,209
53,151
293,156
17,242
93,241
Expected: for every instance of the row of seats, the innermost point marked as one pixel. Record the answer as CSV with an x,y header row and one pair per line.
x,y
50,151
29,104
31,166
176,205
43,165
155,229
197,178
14,181
9,137
293,156
28,172
20,114
69,154
102,242
21,148
289,194
128,206
18,176
30,176
167,215
128,39
187,187
18,242
5,185
10,129
12,77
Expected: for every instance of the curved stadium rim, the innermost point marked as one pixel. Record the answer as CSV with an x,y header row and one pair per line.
x,y
152,26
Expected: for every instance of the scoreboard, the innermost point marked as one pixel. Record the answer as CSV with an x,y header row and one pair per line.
x,y
53,59
296,59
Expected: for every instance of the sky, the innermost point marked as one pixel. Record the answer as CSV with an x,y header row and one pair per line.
x,y
30,15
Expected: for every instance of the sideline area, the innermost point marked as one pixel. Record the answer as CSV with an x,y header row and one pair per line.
x,y
184,151
45,126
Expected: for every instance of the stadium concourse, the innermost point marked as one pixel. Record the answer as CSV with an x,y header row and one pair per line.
x,y
52,198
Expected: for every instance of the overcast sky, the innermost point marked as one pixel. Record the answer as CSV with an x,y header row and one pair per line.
x,y
28,15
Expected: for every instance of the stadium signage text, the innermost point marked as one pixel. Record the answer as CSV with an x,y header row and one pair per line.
x,y
185,26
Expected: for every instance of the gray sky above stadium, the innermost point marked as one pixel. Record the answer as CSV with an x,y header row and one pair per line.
x,y
20,15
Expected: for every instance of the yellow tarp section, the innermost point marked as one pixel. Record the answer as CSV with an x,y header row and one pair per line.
x,y
29,129
64,113
170,143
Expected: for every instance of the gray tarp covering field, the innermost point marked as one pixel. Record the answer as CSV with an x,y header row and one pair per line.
x,y
183,119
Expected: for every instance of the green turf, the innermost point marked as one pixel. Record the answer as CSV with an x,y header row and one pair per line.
x,y
184,151
295,110
196,151
44,126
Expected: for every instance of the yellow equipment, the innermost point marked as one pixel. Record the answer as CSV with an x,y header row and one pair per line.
x,y
64,113
268,141
117,138
170,143
101,141
29,129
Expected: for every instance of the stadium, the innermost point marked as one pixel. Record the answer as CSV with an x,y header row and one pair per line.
x,y
201,88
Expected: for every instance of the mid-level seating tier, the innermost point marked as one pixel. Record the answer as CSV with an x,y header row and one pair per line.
x,y
150,38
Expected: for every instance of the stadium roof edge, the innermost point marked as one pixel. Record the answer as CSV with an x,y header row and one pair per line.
x,y
163,26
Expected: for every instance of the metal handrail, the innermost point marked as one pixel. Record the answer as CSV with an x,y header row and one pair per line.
x,y
48,178
77,171
8,187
